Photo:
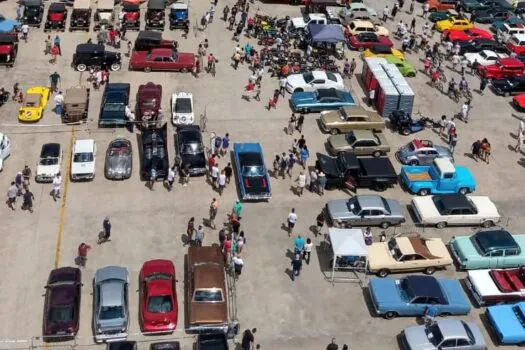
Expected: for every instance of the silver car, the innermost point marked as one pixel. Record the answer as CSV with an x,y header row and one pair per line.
x,y
119,160
422,152
444,334
110,304
365,210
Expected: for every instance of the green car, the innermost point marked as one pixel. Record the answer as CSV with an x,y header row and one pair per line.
x,y
442,15
405,68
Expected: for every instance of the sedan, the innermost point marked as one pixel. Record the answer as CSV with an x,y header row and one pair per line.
x,y
507,323
313,80
480,44
361,142
509,86
466,34
484,57
490,15
320,100
119,160
366,40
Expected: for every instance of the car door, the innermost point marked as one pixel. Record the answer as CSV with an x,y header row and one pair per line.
x,y
365,217
410,262
417,306
170,63
448,344
359,147
422,155
512,258
455,217
496,259
377,216
156,63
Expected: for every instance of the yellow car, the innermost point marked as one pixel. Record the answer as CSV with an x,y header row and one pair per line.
x,y
382,51
34,104
454,23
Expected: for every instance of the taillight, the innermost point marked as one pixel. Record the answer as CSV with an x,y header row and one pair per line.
x,y
264,182
246,183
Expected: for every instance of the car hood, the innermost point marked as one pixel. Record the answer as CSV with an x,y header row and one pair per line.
x,y
331,117
338,208
195,160
303,97
500,83
484,206
298,22
379,255
416,337
464,248
384,290
83,168
47,169
425,207
8,25
504,320
296,80
338,141
112,323
118,163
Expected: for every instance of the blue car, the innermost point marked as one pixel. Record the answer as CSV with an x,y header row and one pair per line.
x,y
320,100
507,322
254,182
415,294
8,25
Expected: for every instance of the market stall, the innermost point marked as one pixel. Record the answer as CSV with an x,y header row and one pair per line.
x,y
326,33
349,254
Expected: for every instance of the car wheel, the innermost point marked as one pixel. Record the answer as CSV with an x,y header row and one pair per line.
x,y
423,192
463,190
81,67
383,273
441,224
147,69
390,315
184,70
405,131
384,225
376,154
413,162
429,270
379,187
487,223
334,131
411,75
115,66
299,90
305,110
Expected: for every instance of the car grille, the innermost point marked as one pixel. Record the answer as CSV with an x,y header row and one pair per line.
x,y
196,171
44,178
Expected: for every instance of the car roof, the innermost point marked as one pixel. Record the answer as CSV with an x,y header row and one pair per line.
x,y
495,239
82,4
83,48
50,150
452,329
149,35
454,201
376,166
111,293
157,4
414,245
370,201
520,37
327,93
425,286
208,276
179,6
8,39
57,6
84,145
32,3
363,134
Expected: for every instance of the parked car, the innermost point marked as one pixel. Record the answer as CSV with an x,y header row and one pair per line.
x,y
49,163
56,17
124,345
33,12
131,16
62,304
508,30
104,14
382,51
179,16
320,100
509,86
95,56
503,68
507,323
466,34
479,44
441,5
149,39
453,23
365,210
490,15
347,11
495,249
484,57
437,16
422,152
357,26
149,102
516,43
158,303
444,334
212,342
35,101
471,5
442,176
360,142
113,106
182,112
155,14
405,68
9,26
81,16
8,49
252,174
403,254
162,60
5,149
365,40
345,119
455,209
512,22
83,160
519,102
311,81
119,160
496,286
154,154
110,304
190,149
414,294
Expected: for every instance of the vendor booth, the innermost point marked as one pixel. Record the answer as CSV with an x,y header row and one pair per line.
x,y
350,254
326,33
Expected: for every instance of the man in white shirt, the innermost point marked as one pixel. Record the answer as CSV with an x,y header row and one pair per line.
x,y
292,220
282,85
171,178
237,265
222,182
301,183
57,181
25,31
12,192
214,174
59,102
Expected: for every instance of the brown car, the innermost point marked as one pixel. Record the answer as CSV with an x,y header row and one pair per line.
x,y
206,292
360,142
350,118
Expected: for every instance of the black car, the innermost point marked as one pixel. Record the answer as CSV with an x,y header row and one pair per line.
x,y
190,149
509,86
96,56
497,3
480,44
113,106
471,5
212,342
122,345
81,16
154,152
156,14
33,12
490,15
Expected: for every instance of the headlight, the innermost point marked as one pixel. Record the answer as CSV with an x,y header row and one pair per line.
x,y
35,18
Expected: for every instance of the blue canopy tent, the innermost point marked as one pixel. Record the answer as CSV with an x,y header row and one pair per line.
x,y
326,33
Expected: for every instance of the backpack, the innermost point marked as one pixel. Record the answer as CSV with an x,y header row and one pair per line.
x,y
218,142
291,161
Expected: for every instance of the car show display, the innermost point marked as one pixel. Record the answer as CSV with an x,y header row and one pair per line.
x,y
254,181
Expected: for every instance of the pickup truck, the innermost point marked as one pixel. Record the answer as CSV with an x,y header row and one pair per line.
x,y
348,171
313,18
440,177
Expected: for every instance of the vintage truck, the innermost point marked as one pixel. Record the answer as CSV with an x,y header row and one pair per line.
x,y
442,176
348,171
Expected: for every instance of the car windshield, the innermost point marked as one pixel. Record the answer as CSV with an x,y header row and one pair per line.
x,y
353,206
113,107
331,76
83,157
158,276
208,295
183,105
49,161
119,152
61,314
111,312
160,304
394,249
308,77
192,148
434,334
251,171
350,138
483,55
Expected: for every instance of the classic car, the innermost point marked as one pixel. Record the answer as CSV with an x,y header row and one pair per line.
x,y
413,253
442,176
8,49
81,15
311,81
5,149
62,304
156,14
252,174
76,104
190,149
350,118
441,5
471,5
119,160
358,27
124,345
490,15
35,101
166,345
489,4
484,57
179,16
360,142
382,51
154,152
365,210
466,34
453,23
158,297
95,56
182,108
50,162
212,341
149,102
365,40
507,322
509,86
83,160
33,12
110,304
206,291
350,8
437,16
503,68
507,30
113,106
162,60
422,152
496,286
519,102
455,209
131,16
512,21
148,39
414,294
56,17
320,100
479,44
105,14
405,68
444,334
516,43
8,25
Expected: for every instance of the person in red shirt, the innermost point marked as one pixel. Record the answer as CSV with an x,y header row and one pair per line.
x,y
227,248
211,162
54,53
250,87
435,76
211,60
285,70
112,34
83,249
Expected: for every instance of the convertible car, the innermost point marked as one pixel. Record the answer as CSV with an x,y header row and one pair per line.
x,y
507,322
497,286
254,182
320,100
119,160
35,102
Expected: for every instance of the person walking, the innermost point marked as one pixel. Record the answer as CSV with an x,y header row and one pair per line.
x,y
56,42
171,178
301,183
19,181
238,264
199,235
190,231
313,180
290,163
59,103
475,149
248,339
57,182
106,231
521,138
386,11
353,65
292,220
485,150
426,8
237,209
228,171
214,175
291,124
322,183
297,264
54,79
300,122
48,43
82,251
27,204
299,245
152,178
482,85
12,191
214,208
307,250
241,241
320,219
465,109
221,182
453,141
305,154
26,174
282,85
225,144
413,25
283,164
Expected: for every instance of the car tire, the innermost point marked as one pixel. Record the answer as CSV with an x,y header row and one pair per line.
x,y
390,315
441,224
299,90
147,69
115,67
81,67
488,223
376,154
429,270
423,192
413,162
405,131
463,190
384,225
411,75
334,131
380,187
304,110
383,273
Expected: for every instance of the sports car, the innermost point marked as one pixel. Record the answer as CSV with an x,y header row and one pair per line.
x,y
158,297
50,162
320,100
182,108
466,34
497,286
35,102
254,182
366,40
507,322
382,51
454,23
119,160
414,294
484,57
311,81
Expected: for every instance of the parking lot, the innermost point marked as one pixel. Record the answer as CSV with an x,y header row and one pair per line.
x,y
304,314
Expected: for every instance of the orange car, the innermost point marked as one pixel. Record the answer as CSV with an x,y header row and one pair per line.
x,y
441,5
519,102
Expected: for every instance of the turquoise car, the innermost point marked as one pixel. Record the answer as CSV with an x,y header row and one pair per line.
x,y
495,249
507,322
320,100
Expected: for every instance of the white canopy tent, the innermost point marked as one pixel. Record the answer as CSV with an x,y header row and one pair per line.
x,y
349,243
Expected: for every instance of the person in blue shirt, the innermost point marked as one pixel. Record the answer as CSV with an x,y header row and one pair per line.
x,y
299,244
225,144
305,154
57,44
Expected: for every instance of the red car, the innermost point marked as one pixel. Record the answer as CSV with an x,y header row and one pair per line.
x,y
519,102
149,97
503,68
366,40
162,59
466,35
158,297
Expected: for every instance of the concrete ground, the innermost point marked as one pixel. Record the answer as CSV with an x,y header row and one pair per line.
x,y
147,224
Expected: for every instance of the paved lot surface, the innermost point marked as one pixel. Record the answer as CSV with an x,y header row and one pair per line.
x,y
150,224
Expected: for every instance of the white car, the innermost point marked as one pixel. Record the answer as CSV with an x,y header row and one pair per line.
x,y
50,162
5,149
83,160
455,209
496,286
312,18
182,108
311,81
484,57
